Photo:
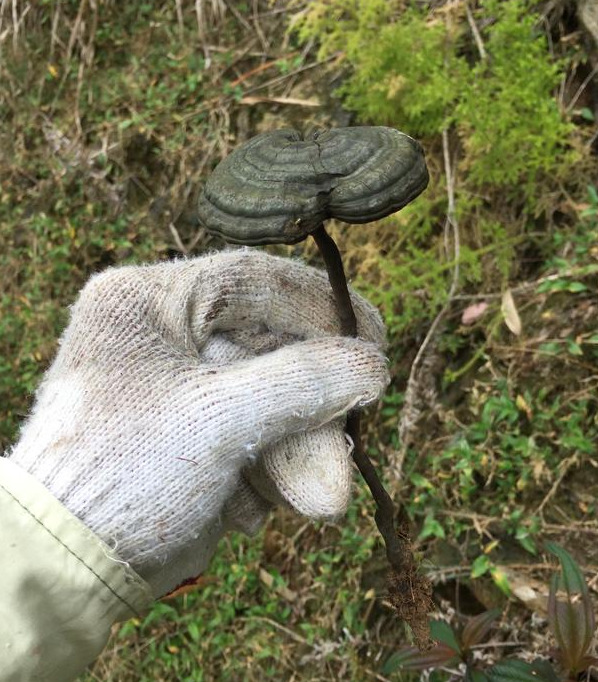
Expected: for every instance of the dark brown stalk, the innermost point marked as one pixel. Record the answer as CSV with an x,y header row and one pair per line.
x,y
385,512
409,592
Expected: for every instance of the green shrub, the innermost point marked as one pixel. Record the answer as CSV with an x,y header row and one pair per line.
x,y
502,463
419,69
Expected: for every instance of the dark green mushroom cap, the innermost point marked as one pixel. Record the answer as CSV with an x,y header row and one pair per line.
x,y
279,187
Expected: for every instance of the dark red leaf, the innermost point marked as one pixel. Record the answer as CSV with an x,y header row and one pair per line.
x,y
477,628
411,658
570,611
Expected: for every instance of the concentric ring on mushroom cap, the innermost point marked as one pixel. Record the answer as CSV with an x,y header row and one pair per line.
x,y
278,187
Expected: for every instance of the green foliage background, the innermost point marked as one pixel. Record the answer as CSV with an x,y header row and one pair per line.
x,y
511,147
112,115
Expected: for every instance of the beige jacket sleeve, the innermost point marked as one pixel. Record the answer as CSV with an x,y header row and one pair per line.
x,y
61,587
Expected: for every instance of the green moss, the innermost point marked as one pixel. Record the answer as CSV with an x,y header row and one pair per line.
x,y
509,145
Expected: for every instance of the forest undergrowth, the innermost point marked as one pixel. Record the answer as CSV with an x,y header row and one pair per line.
x,y
112,116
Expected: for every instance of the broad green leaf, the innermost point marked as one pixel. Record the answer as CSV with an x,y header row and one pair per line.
x,y
522,534
480,566
193,630
574,348
431,528
587,114
576,287
550,347
571,579
500,580
421,481
442,632
520,671
475,675
552,285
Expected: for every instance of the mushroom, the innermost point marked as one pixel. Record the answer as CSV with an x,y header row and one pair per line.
x,y
280,187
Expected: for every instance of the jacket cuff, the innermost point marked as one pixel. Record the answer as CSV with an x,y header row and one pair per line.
x,y
62,588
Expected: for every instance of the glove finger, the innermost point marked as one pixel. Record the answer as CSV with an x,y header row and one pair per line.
x,y
245,510
310,472
251,404
228,347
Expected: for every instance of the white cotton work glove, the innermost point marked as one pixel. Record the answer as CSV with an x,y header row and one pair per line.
x,y
188,396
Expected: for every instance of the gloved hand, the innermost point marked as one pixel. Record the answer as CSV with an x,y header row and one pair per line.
x,y
188,396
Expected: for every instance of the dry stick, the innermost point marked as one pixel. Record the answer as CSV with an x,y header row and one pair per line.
x,y
200,17
180,19
384,517
411,391
475,31
581,88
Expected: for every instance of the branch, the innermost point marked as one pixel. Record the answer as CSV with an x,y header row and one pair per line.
x,y
410,412
476,34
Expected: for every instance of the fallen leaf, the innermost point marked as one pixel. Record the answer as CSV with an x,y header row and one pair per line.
x,y
509,311
473,312
189,585
251,99
282,590
523,406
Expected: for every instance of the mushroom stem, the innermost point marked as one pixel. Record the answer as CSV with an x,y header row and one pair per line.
x,y
338,281
385,512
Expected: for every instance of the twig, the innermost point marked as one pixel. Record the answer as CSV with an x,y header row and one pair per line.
x,y
258,69
290,74
185,250
583,271
301,640
293,101
409,410
476,34
177,239
581,88
54,38
279,626
547,33
180,19
201,31
258,27
575,528
306,50
238,16
75,30
591,141
15,23
495,645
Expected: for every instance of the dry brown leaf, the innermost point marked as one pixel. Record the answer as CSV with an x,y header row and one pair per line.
x,y
281,590
189,585
509,311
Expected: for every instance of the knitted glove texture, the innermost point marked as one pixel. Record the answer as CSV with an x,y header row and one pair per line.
x,y
188,397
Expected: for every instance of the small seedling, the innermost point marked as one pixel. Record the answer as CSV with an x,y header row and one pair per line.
x,y
571,619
